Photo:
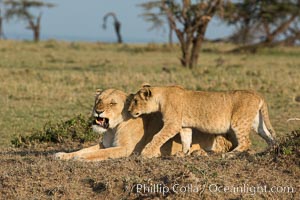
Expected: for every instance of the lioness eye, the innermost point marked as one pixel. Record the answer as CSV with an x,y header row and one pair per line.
x,y
135,101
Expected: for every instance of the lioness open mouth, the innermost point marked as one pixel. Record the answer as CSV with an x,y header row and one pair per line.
x,y
103,122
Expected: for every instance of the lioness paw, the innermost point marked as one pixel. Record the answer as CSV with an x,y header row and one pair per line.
x,y
61,156
80,158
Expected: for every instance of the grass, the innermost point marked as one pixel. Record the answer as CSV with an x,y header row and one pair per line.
x,y
47,89
54,81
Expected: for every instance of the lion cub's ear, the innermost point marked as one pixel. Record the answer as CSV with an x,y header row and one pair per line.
x,y
98,91
145,93
146,85
129,98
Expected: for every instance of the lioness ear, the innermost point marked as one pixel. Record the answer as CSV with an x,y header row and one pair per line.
x,y
146,93
146,85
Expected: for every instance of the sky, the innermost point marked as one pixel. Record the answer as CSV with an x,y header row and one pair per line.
x,y
79,20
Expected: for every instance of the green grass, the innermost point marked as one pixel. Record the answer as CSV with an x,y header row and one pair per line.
x,y
55,81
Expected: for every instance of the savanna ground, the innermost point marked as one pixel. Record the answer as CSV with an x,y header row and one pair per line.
x,y
55,81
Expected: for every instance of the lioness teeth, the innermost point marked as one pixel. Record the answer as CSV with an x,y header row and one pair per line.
x,y
100,121
103,122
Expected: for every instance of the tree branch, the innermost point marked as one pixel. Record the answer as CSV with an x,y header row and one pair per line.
x,y
185,5
284,26
172,21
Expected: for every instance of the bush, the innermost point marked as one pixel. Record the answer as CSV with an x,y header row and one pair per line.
x,y
77,129
290,144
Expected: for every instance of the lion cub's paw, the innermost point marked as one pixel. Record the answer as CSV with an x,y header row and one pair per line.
x,y
150,154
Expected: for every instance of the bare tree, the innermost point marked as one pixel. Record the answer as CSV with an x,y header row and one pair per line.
x,y
20,9
2,36
117,25
1,26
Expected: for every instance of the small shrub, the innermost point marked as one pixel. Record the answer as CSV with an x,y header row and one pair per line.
x,y
290,144
77,129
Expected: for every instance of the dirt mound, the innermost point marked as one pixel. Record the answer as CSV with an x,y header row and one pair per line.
x,y
35,173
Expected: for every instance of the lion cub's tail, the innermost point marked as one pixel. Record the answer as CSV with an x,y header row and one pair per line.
x,y
265,115
264,127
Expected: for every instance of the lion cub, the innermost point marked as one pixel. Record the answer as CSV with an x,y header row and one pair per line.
x,y
211,112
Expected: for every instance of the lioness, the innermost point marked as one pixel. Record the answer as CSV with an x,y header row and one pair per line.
x,y
124,135
210,112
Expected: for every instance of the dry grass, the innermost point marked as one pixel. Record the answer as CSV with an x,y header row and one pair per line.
x,y
55,81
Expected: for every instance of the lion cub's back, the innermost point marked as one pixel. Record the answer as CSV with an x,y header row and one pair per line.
x,y
220,101
212,111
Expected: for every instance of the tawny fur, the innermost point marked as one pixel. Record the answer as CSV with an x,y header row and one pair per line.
x,y
209,112
127,135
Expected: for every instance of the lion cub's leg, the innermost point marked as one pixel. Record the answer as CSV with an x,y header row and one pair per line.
x,y
242,136
153,148
241,128
241,124
186,139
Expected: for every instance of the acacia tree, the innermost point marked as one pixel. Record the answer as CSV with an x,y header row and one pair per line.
x,y
117,25
20,9
154,13
189,20
264,23
1,26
